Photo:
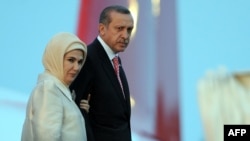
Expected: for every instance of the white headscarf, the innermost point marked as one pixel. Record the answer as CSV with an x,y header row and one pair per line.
x,y
55,50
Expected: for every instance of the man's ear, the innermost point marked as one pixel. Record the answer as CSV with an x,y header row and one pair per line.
x,y
101,29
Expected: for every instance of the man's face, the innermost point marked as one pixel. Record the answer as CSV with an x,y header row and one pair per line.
x,y
117,33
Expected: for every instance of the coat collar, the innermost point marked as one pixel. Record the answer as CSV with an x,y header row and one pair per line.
x,y
49,77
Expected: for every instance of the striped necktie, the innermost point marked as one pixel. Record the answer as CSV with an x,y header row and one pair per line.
x,y
117,70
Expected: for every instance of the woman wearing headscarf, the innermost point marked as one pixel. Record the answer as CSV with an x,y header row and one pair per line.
x,y
51,113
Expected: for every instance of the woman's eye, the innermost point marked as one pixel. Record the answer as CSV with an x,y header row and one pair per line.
x,y
71,60
80,62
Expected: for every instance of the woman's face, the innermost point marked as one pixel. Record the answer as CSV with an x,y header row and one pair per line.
x,y
72,63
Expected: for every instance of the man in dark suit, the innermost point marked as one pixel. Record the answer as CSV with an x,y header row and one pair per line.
x,y
109,113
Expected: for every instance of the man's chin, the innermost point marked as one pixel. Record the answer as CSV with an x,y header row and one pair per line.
x,y
122,48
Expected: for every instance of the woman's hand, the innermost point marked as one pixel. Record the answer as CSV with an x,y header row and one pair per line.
x,y
84,104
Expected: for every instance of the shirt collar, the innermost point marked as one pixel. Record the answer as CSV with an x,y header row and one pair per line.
x,y
107,49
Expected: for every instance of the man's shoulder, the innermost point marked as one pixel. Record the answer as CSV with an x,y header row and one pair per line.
x,y
94,47
94,43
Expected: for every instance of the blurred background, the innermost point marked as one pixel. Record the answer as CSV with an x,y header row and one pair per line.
x,y
173,44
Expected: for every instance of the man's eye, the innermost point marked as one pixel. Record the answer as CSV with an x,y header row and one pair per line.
x,y
130,30
119,28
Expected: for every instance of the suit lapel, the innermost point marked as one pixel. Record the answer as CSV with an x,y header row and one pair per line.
x,y
109,70
125,85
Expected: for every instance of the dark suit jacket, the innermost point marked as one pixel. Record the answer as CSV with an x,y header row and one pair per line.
x,y
109,114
